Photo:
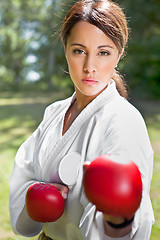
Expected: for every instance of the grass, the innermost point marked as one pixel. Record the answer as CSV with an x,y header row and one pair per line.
x,y
151,112
20,114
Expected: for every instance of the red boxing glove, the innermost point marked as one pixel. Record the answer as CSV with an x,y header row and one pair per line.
x,y
115,188
44,202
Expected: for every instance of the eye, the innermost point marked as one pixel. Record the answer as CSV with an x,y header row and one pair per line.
x,y
78,51
104,53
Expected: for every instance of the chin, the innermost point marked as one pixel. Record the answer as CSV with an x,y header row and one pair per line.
x,y
92,92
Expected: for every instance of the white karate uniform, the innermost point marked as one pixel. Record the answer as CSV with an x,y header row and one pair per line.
x,y
108,125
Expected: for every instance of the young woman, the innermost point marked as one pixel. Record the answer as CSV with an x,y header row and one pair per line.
x,y
96,120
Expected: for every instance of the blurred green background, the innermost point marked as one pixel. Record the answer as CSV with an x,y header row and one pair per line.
x,y
32,75
32,58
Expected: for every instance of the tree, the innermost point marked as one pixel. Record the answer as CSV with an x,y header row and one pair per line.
x,y
29,29
142,64
26,29
12,43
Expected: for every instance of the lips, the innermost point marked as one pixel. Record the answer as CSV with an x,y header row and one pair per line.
x,y
89,81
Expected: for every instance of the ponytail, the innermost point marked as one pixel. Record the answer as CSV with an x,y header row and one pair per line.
x,y
120,84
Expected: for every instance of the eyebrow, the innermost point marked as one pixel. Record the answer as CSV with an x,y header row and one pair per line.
x,y
81,45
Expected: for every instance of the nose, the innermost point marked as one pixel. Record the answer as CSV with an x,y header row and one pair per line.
x,y
89,64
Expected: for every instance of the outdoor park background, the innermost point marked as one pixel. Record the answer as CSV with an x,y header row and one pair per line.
x,y
32,76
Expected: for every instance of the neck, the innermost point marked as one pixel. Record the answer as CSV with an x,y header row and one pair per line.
x,y
82,101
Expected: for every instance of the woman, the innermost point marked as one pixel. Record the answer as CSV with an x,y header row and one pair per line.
x,y
96,120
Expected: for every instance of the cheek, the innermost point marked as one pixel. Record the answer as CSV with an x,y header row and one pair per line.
x,y
107,66
106,69
74,66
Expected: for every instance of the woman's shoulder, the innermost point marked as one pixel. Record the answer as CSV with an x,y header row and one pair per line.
x,y
59,103
121,108
121,114
56,107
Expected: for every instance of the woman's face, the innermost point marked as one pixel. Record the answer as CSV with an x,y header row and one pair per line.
x,y
91,58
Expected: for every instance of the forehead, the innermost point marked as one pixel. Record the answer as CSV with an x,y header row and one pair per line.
x,y
85,33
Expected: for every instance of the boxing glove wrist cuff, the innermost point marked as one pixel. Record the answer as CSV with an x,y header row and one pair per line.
x,y
122,225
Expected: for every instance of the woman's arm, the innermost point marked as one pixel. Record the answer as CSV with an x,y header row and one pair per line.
x,y
22,177
121,231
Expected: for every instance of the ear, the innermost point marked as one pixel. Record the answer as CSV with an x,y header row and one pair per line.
x,y
120,56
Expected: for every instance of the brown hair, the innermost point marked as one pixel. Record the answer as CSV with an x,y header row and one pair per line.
x,y
107,16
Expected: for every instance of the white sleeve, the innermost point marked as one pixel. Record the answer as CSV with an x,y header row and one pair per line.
x,y
127,137
22,177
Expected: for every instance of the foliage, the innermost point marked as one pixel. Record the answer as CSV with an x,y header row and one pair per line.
x,y
30,44
27,29
142,64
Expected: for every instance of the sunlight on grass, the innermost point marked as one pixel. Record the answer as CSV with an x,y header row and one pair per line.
x,y
154,134
20,115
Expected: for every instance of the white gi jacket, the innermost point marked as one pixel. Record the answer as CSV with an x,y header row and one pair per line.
x,y
108,125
